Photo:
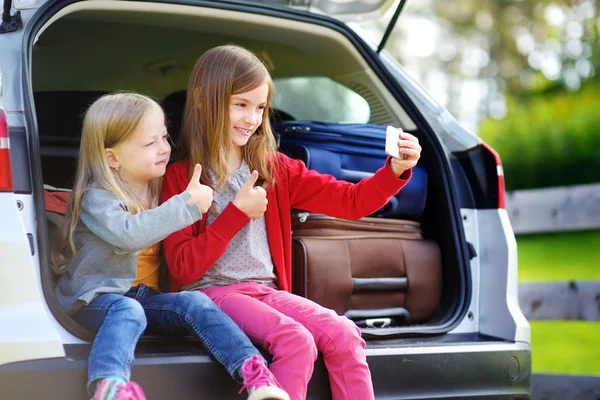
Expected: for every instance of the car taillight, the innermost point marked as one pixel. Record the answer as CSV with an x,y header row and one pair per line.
x,y
500,172
6,183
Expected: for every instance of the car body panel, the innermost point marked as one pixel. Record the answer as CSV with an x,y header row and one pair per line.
x,y
26,333
500,314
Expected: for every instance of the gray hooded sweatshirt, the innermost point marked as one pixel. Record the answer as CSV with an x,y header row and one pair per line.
x,y
107,239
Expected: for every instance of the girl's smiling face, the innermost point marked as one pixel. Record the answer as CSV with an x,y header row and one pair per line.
x,y
246,114
145,155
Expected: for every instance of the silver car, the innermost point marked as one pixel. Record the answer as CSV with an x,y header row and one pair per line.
x,y
57,56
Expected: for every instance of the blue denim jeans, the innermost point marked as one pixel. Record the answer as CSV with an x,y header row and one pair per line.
x,y
120,320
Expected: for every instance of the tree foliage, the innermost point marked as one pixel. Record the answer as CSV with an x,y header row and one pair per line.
x,y
520,73
548,139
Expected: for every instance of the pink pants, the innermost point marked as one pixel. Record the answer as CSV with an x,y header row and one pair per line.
x,y
293,329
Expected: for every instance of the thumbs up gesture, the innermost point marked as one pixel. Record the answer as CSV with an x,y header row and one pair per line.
x,y
251,200
202,195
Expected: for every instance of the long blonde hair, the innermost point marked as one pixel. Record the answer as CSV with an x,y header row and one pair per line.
x,y
205,138
110,120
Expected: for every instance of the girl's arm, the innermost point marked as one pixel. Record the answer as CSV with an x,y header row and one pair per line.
x,y
315,192
190,252
105,215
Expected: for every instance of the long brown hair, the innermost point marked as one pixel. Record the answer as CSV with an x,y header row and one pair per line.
x,y
205,138
110,120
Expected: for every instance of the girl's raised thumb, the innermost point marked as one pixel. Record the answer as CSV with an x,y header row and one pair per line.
x,y
197,173
252,180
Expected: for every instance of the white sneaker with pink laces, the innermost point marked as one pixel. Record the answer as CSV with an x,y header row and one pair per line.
x,y
260,382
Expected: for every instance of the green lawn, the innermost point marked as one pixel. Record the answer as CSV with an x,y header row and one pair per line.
x,y
559,256
566,347
563,347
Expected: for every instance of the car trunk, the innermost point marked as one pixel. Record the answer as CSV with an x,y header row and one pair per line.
x,y
91,48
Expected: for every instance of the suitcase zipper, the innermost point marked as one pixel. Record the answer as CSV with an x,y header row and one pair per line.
x,y
344,237
304,216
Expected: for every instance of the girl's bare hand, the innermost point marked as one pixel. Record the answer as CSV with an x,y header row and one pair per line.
x,y
410,150
202,195
251,200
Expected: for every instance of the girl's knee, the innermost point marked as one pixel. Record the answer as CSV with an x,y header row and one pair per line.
x,y
127,304
345,335
349,329
297,339
197,300
131,309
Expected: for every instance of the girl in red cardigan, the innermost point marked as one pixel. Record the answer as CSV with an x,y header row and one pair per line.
x,y
239,253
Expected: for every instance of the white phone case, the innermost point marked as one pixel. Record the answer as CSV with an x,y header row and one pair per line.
x,y
392,135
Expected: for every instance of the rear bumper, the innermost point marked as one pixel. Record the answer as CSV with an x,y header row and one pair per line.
x,y
449,371
452,371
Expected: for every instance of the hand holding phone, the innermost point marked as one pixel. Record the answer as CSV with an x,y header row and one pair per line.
x,y
392,137
404,149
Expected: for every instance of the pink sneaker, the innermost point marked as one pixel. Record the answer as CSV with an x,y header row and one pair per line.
x,y
112,389
130,391
260,382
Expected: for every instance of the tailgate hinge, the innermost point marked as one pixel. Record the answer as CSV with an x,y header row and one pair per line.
x,y
10,23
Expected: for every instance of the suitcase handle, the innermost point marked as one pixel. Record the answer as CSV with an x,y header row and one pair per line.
x,y
379,317
378,322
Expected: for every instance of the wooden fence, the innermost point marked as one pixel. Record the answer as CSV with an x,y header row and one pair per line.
x,y
551,210
575,300
557,209
554,209
565,387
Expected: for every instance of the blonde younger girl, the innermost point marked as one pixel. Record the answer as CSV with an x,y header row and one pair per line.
x,y
240,253
108,254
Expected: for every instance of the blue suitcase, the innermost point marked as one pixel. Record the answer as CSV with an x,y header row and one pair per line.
x,y
351,152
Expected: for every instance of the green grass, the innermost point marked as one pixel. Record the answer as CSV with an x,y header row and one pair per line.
x,y
559,256
562,347
565,347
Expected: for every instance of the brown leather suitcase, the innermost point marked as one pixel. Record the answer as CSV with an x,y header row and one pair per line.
x,y
378,272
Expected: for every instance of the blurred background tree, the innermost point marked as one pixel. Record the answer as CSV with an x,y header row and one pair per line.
x,y
521,74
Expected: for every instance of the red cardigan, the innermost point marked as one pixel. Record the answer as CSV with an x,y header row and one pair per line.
x,y
191,251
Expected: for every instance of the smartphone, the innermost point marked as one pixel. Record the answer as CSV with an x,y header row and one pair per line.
x,y
392,136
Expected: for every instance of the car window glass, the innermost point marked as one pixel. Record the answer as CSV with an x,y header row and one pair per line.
x,y
320,99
